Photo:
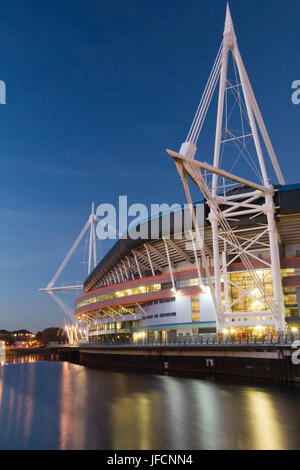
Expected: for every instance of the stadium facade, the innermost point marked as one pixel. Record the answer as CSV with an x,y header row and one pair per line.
x,y
156,289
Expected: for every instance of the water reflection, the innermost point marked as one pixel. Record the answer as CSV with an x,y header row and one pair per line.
x,y
56,405
2,355
131,421
266,428
14,358
29,403
1,384
72,412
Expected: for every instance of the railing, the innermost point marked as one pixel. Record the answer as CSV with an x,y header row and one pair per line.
x,y
204,340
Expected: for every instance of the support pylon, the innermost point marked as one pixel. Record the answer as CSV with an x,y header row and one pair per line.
x,y
228,208
53,290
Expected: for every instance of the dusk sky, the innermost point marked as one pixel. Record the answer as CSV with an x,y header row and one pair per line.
x,y
96,91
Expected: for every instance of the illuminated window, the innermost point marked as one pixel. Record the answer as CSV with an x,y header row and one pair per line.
x,y
122,293
288,272
195,308
290,301
256,302
188,282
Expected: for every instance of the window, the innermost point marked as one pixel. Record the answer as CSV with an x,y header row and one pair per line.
x,y
247,303
169,314
290,301
121,293
195,308
188,282
167,285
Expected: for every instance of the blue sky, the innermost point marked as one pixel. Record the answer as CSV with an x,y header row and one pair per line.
x,y
96,91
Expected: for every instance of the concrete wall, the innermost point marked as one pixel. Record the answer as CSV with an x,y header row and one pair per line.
x,y
157,309
207,308
183,309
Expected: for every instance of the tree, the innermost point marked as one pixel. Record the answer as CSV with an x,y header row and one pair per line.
x,y
8,339
51,335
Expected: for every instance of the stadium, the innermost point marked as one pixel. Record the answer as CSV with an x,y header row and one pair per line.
x,y
157,289
227,265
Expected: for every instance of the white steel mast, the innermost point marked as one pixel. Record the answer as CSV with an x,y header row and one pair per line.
x,y
51,289
231,241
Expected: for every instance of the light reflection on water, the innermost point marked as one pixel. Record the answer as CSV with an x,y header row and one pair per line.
x,y
57,405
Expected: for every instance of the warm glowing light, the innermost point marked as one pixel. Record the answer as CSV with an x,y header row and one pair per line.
x,y
294,329
259,328
140,335
225,331
232,330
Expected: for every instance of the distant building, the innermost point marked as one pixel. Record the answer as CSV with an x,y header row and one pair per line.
x,y
18,338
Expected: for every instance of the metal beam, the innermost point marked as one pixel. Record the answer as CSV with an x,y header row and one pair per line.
x,y
137,263
141,308
196,259
170,265
146,260
121,272
206,166
126,310
149,258
125,269
53,289
156,252
179,250
130,267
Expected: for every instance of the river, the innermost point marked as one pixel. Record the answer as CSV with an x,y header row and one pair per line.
x,y
58,405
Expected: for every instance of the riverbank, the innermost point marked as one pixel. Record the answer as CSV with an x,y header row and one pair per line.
x,y
22,351
265,363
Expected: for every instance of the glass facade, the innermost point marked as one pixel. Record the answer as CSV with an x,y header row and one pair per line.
x,y
113,332
195,308
120,293
254,302
290,272
290,301
245,308
250,304
188,282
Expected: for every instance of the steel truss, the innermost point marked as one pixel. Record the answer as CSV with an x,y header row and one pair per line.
x,y
53,290
229,208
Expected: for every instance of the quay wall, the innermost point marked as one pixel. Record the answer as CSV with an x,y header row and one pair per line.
x,y
261,362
